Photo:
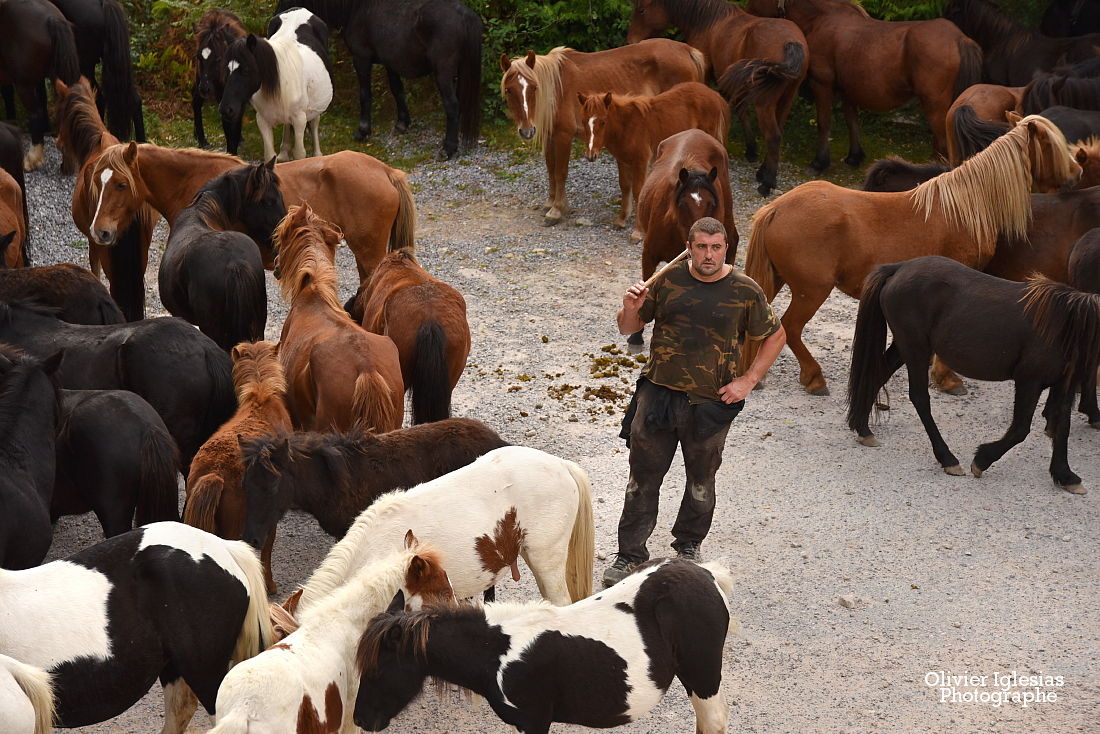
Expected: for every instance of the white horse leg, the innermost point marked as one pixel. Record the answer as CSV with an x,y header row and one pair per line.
x,y
180,704
548,568
711,714
284,152
314,125
299,136
266,135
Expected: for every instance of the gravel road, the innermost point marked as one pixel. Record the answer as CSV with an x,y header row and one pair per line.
x,y
936,573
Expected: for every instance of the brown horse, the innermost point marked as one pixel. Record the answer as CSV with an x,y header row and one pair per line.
x,y
426,319
820,236
82,137
989,102
877,65
13,223
757,61
215,500
540,93
631,127
338,186
339,375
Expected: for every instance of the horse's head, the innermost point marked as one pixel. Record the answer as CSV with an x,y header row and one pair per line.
x,y
649,20
1053,166
267,489
1087,155
115,184
594,111
520,88
426,581
248,197
389,658
257,372
696,196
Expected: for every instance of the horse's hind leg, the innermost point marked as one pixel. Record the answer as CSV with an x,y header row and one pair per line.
x,y
803,307
1023,408
1088,401
315,129
771,131
752,153
34,99
363,66
918,395
397,89
180,704
1061,399
444,82
823,97
548,568
855,147
711,714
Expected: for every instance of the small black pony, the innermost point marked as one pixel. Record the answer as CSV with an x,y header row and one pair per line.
x,y
212,274
411,39
114,458
600,662
179,370
214,33
29,415
75,293
1040,334
1073,85
165,600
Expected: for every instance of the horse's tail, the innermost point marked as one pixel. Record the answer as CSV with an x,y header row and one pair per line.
x,y
64,62
203,496
158,495
469,84
234,722
724,579
431,384
127,270
371,403
245,305
759,267
869,368
751,79
700,60
582,540
970,65
972,134
403,230
118,81
35,683
1069,320
256,632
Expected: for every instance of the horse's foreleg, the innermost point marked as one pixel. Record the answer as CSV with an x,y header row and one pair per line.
x,y
557,166
769,128
445,83
397,89
711,714
1088,401
180,704
936,113
267,135
918,395
315,128
299,136
34,99
196,112
363,67
626,176
548,568
823,99
1023,408
855,148
804,304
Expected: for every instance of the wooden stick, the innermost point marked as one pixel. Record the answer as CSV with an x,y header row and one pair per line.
x,y
653,278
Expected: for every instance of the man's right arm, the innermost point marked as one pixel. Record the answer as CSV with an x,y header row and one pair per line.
x,y
628,319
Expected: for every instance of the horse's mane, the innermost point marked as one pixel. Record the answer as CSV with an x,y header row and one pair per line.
x,y
997,29
113,158
223,197
547,75
414,628
1090,146
990,193
693,15
80,124
1048,90
305,257
288,72
1067,319
218,28
853,4
257,373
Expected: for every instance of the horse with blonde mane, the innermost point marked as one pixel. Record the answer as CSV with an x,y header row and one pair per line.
x,y
540,93
215,500
632,126
339,375
820,236
336,186
26,699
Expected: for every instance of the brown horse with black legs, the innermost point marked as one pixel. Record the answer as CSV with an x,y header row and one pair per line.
x,y
820,236
335,185
215,498
82,137
631,127
426,319
757,61
877,65
339,375
540,93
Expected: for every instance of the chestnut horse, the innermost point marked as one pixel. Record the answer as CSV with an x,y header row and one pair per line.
x,y
540,93
338,185
339,375
758,61
988,102
426,319
215,499
13,222
631,127
82,137
877,65
820,236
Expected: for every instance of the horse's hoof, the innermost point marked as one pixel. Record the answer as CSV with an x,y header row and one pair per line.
x,y
819,167
1094,424
818,391
854,161
632,348
882,406
974,469
764,189
636,237
362,133
955,471
959,389
869,440
549,221
446,155
400,127
1078,488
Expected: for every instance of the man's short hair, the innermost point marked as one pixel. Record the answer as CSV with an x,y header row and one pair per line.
x,y
707,225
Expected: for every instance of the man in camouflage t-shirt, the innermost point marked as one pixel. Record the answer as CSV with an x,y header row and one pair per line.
x,y
690,390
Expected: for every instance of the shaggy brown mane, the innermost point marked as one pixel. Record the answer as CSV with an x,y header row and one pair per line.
x,y
257,373
307,250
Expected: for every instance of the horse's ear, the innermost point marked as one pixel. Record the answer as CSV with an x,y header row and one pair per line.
x,y
410,539
270,165
291,604
607,99
235,353
505,62
52,362
130,153
60,87
530,60
251,42
713,175
1080,155
397,604
1012,117
683,176
582,98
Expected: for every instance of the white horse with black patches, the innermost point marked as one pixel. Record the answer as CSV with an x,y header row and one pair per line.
x,y
26,701
602,662
286,77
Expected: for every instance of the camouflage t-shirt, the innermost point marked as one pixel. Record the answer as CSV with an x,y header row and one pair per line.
x,y
699,326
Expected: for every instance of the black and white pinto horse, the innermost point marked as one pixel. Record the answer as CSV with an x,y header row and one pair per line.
x,y
165,600
286,77
601,662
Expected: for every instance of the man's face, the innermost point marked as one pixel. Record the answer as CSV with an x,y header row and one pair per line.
x,y
708,253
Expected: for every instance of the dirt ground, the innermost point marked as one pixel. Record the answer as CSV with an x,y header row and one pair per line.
x,y
862,576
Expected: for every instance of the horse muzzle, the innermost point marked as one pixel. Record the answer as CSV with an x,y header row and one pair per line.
x,y
591,155
526,132
103,236
374,723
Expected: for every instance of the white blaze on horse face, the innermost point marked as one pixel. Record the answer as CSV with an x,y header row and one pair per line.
x,y
233,66
196,543
523,95
104,177
206,53
698,199
592,134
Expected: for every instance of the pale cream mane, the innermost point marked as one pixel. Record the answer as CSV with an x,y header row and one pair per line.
x,y
547,75
990,193
369,590
291,81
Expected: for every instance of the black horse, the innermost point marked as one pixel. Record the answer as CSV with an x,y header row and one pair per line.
x,y
411,39
29,416
214,33
75,293
897,174
43,47
115,458
102,33
180,371
1012,53
214,276
1040,334
1070,18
